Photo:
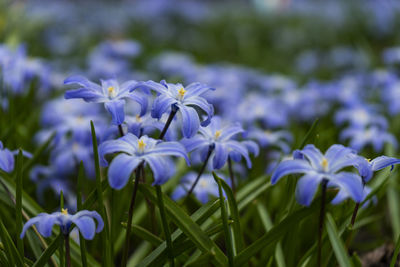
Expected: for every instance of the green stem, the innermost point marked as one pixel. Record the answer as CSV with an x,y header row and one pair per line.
x,y
210,149
353,220
67,251
174,110
130,213
164,221
321,220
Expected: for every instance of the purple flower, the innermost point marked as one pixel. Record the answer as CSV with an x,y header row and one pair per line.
x,y
110,93
317,167
84,220
185,99
219,138
135,151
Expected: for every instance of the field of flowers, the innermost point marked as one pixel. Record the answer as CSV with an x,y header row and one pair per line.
x,y
199,133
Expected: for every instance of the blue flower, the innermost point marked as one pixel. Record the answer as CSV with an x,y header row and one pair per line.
x,y
84,220
279,139
7,158
185,99
361,137
206,187
317,167
366,169
219,138
359,116
110,93
134,152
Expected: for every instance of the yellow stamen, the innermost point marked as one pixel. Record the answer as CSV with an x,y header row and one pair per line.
x,y
138,118
369,160
217,134
181,92
324,164
141,145
111,91
64,211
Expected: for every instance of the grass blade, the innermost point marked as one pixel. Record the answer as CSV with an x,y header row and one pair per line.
x,y
44,258
395,253
188,226
82,242
234,213
18,203
100,201
274,235
224,216
336,242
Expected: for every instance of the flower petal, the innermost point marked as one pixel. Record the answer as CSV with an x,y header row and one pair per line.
x,y
220,156
289,167
113,146
120,170
382,162
170,149
86,226
350,182
190,121
116,109
162,168
313,155
306,188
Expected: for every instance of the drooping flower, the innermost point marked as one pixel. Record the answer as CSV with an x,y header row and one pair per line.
x,y
366,169
110,93
206,187
318,167
153,152
220,138
183,98
84,220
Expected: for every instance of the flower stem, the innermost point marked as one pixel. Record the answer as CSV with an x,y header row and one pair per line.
x,y
231,175
164,221
174,110
321,220
121,131
130,213
353,220
210,149
67,251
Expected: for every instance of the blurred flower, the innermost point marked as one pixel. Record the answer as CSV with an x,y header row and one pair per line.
x,y
360,116
266,138
218,137
84,220
185,99
110,93
361,137
135,151
7,158
317,167
206,187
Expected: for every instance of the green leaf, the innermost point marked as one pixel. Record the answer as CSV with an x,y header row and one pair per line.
x,y
18,203
234,213
188,226
82,242
274,235
336,242
44,258
395,253
144,234
267,222
224,216
12,252
100,202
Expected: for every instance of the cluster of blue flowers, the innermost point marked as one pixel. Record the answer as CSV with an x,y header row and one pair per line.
x,y
214,117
